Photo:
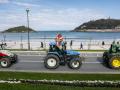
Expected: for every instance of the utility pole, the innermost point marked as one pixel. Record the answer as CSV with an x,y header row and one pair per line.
x,y
4,38
27,10
21,45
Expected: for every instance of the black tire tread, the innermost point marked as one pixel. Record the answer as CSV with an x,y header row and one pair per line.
x,y
52,56
8,61
70,64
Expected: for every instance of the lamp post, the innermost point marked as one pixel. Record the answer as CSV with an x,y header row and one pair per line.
x,y
4,38
21,45
27,10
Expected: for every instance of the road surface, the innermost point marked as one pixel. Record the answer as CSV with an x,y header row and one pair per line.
x,y
35,63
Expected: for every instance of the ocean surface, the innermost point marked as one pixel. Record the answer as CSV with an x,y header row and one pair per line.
x,y
66,34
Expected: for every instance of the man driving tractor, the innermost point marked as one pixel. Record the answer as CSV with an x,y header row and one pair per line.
x,y
59,40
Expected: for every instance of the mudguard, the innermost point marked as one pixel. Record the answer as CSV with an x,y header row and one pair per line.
x,y
70,52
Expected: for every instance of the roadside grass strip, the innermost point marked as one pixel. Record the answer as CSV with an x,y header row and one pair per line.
x,y
49,87
88,83
58,81
6,75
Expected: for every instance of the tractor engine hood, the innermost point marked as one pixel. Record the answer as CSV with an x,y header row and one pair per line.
x,y
70,52
7,52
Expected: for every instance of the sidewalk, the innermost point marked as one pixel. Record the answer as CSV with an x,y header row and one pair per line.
x,y
44,53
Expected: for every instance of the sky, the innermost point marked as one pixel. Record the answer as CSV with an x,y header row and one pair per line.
x,y
53,15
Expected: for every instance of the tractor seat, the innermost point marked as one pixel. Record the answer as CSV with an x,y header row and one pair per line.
x,y
55,48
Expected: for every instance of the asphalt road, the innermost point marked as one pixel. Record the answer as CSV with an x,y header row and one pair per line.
x,y
35,63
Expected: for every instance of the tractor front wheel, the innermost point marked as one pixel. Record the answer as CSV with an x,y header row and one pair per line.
x,y
74,64
15,59
5,62
105,56
51,61
114,62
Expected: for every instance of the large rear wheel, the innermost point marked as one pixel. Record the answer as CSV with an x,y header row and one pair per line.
x,y
5,62
51,61
114,62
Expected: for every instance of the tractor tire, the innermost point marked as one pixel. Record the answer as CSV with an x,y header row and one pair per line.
x,y
105,59
15,59
114,62
74,64
5,62
105,56
52,61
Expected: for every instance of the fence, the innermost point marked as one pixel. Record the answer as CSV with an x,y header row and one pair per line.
x,y
71,43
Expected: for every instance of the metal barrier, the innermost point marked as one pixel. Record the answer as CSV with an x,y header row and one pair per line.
x,y
72,43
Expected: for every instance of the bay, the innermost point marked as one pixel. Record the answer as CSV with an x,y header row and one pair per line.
x,y
66,34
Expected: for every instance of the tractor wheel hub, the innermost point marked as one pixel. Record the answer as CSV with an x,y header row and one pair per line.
x,y
116,63
51,62
3,63
75,64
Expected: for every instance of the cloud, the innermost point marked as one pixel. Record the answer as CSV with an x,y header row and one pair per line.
x,y
51,19
63,19
28,5
4,1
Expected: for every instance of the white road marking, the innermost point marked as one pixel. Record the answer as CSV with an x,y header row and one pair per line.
x,y
31,61
43,61
31,55
86,56
92,62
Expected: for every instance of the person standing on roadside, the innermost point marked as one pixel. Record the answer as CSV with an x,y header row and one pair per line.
x,y
41,44
81,46
71,43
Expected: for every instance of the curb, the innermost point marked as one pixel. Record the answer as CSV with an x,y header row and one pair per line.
x,y
43,53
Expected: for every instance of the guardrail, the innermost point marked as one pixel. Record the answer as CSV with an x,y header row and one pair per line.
x,y
72,43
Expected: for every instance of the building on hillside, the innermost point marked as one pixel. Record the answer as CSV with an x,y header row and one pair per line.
x,y
117,27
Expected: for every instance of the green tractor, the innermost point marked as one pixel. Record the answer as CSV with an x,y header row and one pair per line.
x,y
112,56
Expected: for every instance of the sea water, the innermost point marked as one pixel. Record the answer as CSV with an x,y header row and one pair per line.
x,y
66,34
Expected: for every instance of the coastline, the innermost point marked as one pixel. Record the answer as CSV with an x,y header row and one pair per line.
x,y
87,44
97,30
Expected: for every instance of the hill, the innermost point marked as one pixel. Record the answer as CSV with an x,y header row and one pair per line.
x,y
18,29
99,25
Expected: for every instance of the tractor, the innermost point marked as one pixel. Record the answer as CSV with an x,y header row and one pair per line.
x,y
112,56
7,58
56,57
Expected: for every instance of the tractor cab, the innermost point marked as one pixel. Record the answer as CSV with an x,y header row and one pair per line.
x,y
115,48
54,48
4,51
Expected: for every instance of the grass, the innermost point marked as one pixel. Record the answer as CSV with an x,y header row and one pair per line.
x,y
49,87
57,76
47,50
53,76
91,50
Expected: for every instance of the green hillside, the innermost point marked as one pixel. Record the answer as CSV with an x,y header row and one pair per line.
x,y
18,29
101,24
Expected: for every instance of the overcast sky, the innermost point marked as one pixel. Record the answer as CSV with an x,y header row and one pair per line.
x,y
55,14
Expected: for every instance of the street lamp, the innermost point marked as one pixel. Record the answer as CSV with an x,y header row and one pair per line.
x,y
4,38
27,10
21,45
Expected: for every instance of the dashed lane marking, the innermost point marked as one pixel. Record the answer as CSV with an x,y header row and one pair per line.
x,y
26,61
